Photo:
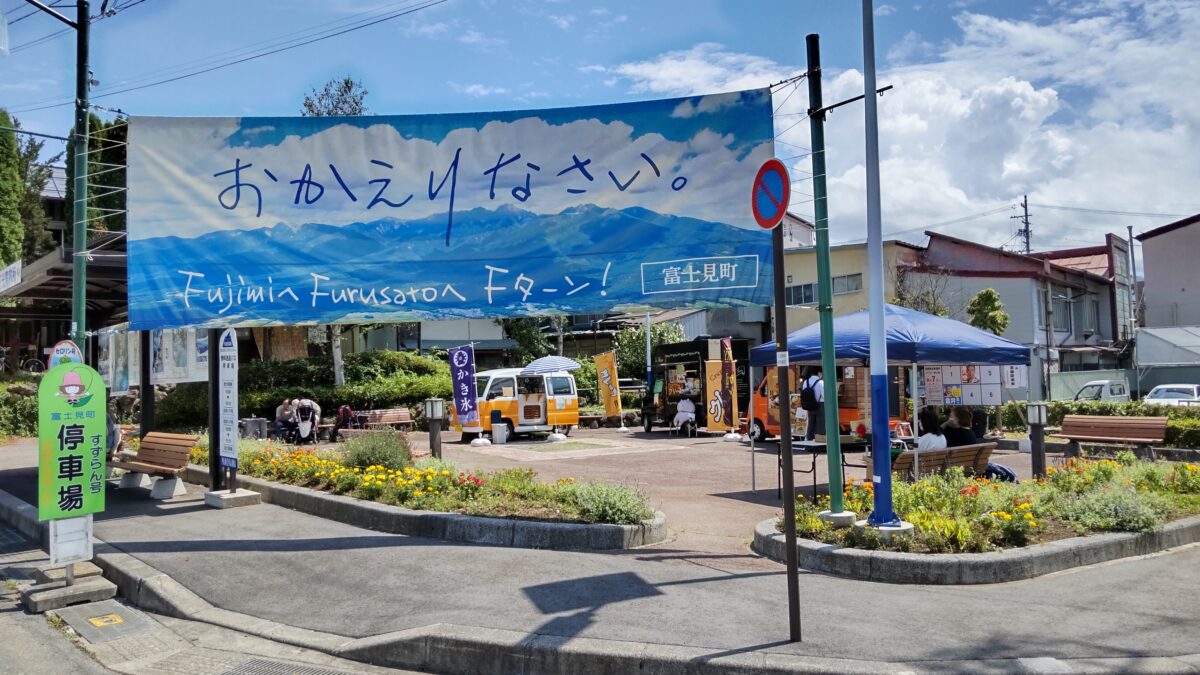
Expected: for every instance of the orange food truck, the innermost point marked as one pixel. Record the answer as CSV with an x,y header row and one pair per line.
x,y
765,421
527,403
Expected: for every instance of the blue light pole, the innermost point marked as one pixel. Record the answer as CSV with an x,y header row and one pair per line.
x,y
881,446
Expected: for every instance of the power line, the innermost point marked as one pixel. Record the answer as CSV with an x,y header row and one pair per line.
x,y
94,19
1082,209
365,24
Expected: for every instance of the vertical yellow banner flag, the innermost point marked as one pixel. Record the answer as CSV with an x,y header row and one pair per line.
x,y
718,401
606,376
729,378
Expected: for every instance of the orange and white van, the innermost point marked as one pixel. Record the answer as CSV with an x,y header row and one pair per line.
x,y
527,403
765,421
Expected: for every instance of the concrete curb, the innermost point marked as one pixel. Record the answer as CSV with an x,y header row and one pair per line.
x,y
469,650
974,568
23,517
450,526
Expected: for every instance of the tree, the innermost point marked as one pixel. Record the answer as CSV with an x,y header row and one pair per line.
x,y
106,175
987,311
925,292
339,97
631,346
527,333
12,232
35,175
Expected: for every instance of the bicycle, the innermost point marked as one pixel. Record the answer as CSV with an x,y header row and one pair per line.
x,y
28,366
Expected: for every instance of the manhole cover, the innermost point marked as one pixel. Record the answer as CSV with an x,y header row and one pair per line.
x,y
99,622
265,667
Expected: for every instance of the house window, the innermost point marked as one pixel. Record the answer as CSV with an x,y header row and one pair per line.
x,y
804,294
1095,323
1062,311
850,283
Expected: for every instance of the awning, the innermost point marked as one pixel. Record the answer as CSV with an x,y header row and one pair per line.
x,y
1173,346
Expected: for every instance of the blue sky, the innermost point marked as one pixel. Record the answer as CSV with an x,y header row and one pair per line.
x,y
1083,103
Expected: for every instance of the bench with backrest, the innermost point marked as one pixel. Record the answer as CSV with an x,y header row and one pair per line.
x,y
397,418
159,455
972,458
1142,432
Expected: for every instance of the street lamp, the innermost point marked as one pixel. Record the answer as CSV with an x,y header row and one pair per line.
x,y
1035,413
435,412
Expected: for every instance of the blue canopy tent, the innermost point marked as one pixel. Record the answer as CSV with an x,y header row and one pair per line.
x,y
912,338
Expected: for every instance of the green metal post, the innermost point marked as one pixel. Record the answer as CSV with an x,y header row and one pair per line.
x,y
79,206
816,121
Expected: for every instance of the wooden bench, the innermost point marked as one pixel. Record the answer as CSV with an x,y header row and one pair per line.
x,y
1141,432
972,458
397,418
160,455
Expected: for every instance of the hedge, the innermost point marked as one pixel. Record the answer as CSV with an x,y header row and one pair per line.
x,y
18,415
1013,412
379,379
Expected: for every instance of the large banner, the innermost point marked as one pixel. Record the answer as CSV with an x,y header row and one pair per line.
x,y
287,220
608,383
720,403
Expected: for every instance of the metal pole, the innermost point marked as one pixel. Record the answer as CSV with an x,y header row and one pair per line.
x,y
881,449
750,432
215,473
912,388
145,387
816,122
1133,312
435,438
648,369
1037,446
79,205
785,438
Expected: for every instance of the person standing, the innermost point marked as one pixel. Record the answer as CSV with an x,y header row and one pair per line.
x,y
812,400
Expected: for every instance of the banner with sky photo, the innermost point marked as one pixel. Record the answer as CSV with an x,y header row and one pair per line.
x,y
291,220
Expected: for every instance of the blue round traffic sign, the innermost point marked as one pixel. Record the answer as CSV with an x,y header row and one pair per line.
x,y
769,197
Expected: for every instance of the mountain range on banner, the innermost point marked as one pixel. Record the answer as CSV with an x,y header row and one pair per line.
x,y
505,233
564,250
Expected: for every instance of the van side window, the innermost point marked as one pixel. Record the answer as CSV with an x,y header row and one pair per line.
x,y
502,387
1116,389
561,386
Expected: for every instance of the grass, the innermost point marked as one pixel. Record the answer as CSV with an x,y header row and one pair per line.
x,y
435,485
952,513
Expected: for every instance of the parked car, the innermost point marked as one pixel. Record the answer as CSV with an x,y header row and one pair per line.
x,y
1173,394
1103,390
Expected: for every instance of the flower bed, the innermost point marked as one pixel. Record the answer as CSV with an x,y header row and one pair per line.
x,y
952,513
432,485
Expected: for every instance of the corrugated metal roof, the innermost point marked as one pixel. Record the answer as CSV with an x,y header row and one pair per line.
x,y
1170,346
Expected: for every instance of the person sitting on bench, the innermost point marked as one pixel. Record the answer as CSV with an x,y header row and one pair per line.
x,y
957,428
285,419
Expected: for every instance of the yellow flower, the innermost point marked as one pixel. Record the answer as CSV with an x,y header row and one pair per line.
x,y
445,472
1033,523
1007,517
1028,516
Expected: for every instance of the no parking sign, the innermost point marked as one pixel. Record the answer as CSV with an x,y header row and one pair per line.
x,y
769,197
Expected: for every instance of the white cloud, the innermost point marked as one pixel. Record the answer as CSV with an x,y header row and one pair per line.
x,y
478,39
885,10
1092,106
477,89
563,21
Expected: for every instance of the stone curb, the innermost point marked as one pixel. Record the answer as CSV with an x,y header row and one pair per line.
x,y
470,650
974,568
450,526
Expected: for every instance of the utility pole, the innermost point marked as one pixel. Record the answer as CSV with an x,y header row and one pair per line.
x,y
80,179
1025,232
816,120
1133,311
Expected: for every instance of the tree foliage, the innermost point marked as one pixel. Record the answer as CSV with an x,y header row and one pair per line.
x,y
924,292
631,346
106,175
343,96
531,341
12,232
987,311
35,176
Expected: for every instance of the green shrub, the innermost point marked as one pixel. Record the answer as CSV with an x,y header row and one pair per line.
x,y
18,415
601,502
1183,433
185,407
377,449
1120,510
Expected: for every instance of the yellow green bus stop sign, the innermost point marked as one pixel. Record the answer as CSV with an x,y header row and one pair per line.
x,y
72,441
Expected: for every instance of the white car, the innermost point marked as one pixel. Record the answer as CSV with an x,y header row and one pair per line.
x,y
1103,390
1173,394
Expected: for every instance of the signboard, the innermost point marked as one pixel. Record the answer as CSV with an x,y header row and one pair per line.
x,y
70,540
64,351
1015,377
227,390
10,276
969,385
608,383
770,194
773,394
71,442
729,380
462,377
286,220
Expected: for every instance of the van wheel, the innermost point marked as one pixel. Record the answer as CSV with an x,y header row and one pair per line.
x,y
758,433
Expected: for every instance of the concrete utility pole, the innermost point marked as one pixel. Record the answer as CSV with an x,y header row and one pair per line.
x,y
1025,232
